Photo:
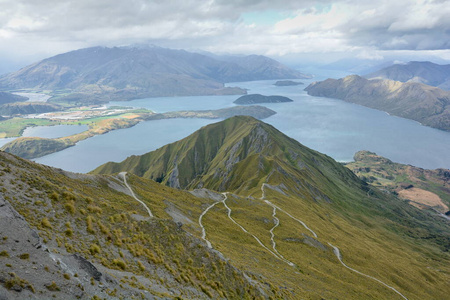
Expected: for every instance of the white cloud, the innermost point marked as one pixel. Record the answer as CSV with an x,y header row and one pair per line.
x,y
40,28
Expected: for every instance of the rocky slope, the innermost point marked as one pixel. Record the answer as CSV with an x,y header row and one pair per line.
x,y
416,71
103,74
423,103
74,236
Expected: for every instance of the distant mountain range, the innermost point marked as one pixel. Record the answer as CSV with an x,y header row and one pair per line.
x,y
102,74
415,71
423,103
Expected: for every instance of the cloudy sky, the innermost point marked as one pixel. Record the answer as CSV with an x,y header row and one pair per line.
x,y
370,29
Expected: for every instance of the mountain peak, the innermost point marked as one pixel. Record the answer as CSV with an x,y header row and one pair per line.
x,y
237,154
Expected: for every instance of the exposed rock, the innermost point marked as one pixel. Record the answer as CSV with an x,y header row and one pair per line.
x,y
88,267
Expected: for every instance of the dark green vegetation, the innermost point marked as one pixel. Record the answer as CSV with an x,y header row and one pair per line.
x,y
10,98
417,71
426,188
100,74
26,108
423,103
93,215
287,83
257,98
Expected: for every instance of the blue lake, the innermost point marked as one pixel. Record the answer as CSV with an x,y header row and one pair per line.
x,y
53,132
333,127
50,132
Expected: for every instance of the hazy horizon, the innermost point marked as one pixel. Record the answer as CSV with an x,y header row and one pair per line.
x,y
297,33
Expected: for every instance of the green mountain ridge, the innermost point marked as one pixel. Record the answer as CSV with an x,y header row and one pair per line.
x,y
423,103
237,154
270,219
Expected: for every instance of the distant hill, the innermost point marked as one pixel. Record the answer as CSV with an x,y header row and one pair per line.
x,y
423,103
426,189
287,83
258,98
10,98
416,71
101,74
24,108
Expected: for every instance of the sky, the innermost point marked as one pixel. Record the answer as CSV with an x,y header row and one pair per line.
x,y
320,30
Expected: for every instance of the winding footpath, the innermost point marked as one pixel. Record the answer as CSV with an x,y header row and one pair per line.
x,y
292,217
124,177
201,225
339,257
335,249
245,230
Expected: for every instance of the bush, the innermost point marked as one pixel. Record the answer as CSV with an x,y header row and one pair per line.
x,y
120,263
4,253
46,223
53,287
24,256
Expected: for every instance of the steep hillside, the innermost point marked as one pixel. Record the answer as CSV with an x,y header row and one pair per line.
x,y
416,71
10,98
293,206
236,154
74,236
25,108
423,103
290,223
103,74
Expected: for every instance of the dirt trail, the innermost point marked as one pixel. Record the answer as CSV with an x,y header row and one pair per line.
x,y
272,236
245,230
124,177
274,206
201,225
335,249
339,257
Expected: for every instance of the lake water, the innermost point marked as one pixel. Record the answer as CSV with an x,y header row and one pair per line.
x,y
53,132
50,132
333,127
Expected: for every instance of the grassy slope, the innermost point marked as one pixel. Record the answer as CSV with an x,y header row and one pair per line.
x,y
89,215
378,234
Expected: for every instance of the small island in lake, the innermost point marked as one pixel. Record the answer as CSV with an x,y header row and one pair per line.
x,y
287,83
258,98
